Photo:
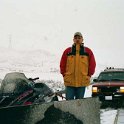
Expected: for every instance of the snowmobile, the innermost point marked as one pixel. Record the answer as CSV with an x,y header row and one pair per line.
x,y
26,101
16,89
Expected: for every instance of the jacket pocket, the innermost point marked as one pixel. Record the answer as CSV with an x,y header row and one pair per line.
x,y
68,78
85,80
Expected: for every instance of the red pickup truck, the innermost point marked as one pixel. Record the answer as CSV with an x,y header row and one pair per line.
x,y
109,85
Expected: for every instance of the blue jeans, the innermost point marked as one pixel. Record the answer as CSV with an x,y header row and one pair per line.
x,y
75,92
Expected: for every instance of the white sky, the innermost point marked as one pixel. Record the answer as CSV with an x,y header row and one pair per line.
x,y
50,25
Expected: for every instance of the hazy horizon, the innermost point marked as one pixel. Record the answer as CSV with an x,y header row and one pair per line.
x,y
50,25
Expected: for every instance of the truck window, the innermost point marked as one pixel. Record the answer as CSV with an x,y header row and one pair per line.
x,y
108,76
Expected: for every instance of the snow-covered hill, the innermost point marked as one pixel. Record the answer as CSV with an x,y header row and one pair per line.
x,y
29,62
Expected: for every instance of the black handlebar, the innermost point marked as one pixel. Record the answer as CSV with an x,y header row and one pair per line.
x,y
33,79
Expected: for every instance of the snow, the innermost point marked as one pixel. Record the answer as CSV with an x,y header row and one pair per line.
x,y
108,116
30,62
120,119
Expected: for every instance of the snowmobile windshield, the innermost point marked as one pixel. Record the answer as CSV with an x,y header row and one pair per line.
x,y
15,83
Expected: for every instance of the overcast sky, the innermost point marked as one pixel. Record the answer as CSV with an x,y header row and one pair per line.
x,y
50,25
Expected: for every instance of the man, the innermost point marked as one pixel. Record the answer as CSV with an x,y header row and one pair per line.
x,y
77,65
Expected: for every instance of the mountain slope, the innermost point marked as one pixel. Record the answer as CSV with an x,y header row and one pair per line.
x,y
28,61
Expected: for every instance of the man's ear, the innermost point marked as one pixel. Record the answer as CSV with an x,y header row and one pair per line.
x,y
73,39
82,40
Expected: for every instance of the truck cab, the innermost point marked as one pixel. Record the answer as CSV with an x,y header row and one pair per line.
x,y
109,85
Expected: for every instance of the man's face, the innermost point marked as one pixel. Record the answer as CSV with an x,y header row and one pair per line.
x,y
78,39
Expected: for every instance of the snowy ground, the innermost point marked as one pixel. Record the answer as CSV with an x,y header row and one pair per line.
x,y
108,116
